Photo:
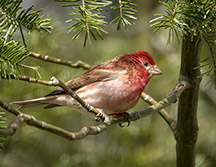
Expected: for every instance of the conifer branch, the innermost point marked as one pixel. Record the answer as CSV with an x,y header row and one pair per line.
x,y
12,15
11,54
126,13
88,19
194,19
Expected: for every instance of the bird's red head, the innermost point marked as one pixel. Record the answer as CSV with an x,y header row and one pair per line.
x,y
143,56
145,60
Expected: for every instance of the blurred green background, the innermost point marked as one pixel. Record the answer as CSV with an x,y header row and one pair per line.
x,y
146,142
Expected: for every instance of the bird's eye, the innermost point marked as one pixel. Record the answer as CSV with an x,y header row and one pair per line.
x,y
145,63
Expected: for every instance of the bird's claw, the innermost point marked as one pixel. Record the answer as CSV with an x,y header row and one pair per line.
x,y
102,116
127,116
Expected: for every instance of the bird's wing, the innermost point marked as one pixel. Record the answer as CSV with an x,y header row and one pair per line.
x,y
96,74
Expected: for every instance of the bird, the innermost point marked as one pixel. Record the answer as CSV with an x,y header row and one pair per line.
x,y
112,87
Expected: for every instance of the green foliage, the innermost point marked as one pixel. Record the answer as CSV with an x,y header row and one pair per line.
x,y
172,20
11,53
210,61
2,126
126,13
88,17
88,23
12,16
193,18
186,18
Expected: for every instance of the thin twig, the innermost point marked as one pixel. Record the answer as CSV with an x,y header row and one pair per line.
x,y
27,66
75,96
83,4
9,108
34,80
171,122
93,130
78,64
12,128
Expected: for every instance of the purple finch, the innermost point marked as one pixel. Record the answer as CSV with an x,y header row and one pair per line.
x,y
112,87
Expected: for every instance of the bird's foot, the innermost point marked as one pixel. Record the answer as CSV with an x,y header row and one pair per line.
x,y
102,116
126,115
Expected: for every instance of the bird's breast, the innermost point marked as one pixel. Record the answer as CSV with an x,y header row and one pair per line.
x,y
113,96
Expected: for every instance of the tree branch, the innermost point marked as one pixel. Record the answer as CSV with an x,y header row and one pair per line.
x,y
92,130
171,122
34,80
27,66
78,64
32,121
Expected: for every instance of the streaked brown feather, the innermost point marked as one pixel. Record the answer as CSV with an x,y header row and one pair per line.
x,y
95,74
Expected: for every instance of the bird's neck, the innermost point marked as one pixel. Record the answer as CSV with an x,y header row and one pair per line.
x,y
140,78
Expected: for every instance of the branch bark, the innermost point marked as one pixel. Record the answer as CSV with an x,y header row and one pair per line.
x,y
32,121
78,64
187,125
171,122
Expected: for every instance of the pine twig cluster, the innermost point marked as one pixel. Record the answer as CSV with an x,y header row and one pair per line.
x,y
12,18
13,15
194,19
11,53
89,17
126,13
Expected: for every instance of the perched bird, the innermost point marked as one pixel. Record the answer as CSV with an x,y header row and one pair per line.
x,y
113,87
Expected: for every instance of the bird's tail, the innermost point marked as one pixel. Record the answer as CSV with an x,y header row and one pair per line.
x,y
34,102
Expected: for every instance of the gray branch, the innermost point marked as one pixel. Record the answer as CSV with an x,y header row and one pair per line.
x,y
78,64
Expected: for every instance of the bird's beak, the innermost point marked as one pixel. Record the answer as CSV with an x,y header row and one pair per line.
x,y
155,70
